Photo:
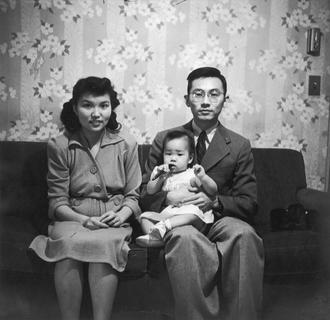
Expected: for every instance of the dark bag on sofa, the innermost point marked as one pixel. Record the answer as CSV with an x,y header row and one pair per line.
x,y
295,217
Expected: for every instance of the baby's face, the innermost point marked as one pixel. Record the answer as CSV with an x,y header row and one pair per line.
x,y
176,154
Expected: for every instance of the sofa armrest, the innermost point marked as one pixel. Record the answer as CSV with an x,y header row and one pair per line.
x,y
313,199
319,201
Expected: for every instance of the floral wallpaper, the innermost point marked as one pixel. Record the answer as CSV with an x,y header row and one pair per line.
x,y
148,47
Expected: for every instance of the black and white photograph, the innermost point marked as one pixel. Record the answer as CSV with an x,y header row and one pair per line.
x,y
164,159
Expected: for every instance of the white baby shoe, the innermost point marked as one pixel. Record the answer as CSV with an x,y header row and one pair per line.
x,y
149,241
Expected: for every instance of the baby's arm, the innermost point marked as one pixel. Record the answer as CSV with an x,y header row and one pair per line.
x,y
157,178
206,181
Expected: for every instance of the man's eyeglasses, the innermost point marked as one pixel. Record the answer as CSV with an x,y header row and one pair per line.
x,y
214,95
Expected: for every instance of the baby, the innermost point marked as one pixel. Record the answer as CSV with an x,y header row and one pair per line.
x,y
176,177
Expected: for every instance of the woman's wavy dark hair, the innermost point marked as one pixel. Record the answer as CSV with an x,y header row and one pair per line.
x,y
97,87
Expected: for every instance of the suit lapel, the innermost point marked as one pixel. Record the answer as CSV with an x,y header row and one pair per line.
x,y
217,149
188,126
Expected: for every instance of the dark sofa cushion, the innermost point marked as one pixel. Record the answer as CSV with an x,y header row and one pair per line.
x,y
291,253
15,236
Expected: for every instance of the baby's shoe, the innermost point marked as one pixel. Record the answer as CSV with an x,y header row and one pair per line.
x,y
149,241
158,230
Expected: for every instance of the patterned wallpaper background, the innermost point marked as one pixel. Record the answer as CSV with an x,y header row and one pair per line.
x,y
147,48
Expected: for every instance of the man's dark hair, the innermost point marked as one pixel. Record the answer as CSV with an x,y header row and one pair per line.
x,y
177,134
206,72
96,87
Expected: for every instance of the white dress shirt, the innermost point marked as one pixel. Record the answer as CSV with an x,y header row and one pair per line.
x,y
209,132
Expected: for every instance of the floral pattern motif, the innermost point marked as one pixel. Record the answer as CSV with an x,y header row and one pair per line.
x,y
69,11
238,18
5,91
117,58
193,56
147,47
156,13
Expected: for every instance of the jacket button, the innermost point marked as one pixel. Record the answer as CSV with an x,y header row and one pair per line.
x,y
93,170
116,202
76,202
97,188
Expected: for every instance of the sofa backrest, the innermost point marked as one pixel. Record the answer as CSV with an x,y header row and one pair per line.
x,y
23,187
280,173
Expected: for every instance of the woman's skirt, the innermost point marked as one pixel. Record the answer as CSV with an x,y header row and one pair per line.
x,y
71,240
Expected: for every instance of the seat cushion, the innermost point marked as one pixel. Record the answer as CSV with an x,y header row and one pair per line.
x,y
291,252
16,235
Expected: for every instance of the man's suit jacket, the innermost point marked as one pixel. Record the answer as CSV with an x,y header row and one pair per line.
x,y
228,161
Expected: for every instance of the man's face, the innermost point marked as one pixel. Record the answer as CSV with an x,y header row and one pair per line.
x,y
206,98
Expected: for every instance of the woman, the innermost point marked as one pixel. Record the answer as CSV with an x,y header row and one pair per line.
x,y
93,180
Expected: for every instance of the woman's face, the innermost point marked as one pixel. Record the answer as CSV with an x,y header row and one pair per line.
x,y
93,112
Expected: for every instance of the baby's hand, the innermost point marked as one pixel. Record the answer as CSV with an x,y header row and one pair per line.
x,y
163,167
199,171
159,170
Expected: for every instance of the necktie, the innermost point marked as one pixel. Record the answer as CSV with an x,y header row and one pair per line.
x,y
201,146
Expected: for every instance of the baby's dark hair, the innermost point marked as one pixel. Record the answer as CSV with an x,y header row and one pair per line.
x,y
177,134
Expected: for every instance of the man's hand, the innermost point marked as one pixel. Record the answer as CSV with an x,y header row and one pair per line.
x,y
112,219
199,199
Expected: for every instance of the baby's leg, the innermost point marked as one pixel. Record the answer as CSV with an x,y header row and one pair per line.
x,y
186,219
147,221
148,240
146,225
162,227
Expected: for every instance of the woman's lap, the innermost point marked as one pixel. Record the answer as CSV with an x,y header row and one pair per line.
x,y
70,240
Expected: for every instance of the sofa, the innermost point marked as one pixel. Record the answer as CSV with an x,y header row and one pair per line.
x,y
144,284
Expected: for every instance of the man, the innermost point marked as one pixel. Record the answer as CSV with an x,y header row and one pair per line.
x,y
218,274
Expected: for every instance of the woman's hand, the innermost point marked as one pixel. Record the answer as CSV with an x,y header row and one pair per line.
x,y
94,223
112,219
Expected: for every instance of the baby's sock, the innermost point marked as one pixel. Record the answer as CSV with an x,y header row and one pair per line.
x,y
160,229
168,225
